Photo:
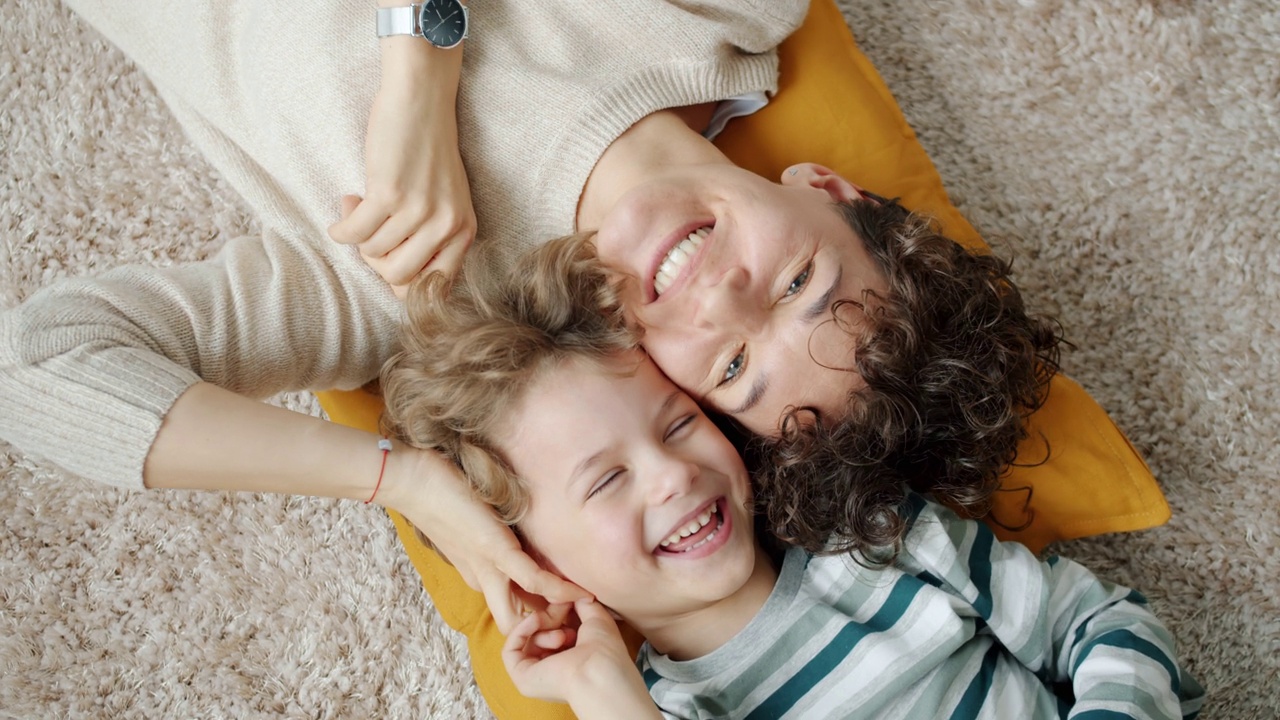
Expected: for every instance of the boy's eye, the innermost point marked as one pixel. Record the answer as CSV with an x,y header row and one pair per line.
x,y
799,282
734,368
605,482
681,424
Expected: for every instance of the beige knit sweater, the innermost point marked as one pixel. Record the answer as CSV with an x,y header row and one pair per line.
x,y
277,95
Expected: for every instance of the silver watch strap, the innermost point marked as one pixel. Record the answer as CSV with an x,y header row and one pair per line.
x,y
398,21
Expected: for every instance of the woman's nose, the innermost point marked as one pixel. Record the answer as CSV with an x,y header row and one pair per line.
x,y
726,304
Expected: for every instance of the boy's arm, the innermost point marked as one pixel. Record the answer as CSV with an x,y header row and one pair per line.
x,y
1057,618
588,667
1103,640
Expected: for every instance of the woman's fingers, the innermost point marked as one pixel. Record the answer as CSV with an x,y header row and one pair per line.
x,y
507,610
349,205
359,223
535,579
396,232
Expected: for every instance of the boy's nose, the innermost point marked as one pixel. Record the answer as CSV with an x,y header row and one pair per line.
x,y
672,480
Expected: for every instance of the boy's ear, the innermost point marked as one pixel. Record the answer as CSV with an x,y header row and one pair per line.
x,y
822,178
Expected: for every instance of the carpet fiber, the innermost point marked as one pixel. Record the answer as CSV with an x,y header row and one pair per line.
x,y
1126,152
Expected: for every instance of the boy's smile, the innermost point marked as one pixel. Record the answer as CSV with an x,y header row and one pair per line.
x,y
634,494
701,535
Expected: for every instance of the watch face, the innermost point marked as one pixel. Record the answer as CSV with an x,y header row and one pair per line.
x,y
443,22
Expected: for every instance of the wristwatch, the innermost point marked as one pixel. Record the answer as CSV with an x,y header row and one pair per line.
x,y
442,23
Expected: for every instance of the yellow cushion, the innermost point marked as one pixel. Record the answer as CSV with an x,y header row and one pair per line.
x,y
834,109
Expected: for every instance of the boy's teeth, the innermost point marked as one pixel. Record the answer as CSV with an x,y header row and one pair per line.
x,y
694,526
676,258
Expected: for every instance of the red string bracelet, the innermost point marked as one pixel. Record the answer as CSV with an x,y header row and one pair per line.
x,y
385,446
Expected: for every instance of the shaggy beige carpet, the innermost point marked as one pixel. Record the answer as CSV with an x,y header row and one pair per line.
x,y
1127,151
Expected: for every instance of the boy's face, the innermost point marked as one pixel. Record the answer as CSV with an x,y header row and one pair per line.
x,y
634,494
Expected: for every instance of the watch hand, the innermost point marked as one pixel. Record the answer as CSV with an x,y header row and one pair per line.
x,y
442,20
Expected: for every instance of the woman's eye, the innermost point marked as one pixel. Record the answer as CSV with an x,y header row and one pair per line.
x,y
800,281
605,482
734,368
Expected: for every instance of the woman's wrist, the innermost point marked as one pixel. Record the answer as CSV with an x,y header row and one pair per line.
x,y
409,478
412,59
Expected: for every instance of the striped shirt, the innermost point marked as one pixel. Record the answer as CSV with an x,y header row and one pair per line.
x,y
959,626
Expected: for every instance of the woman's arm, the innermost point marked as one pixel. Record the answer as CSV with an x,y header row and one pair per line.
x,y
213,439
149,373
89,368
416,213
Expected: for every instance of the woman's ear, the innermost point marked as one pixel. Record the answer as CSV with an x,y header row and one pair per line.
x,y
822,178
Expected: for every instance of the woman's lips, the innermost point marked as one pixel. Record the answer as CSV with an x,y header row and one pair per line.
x,y
664,248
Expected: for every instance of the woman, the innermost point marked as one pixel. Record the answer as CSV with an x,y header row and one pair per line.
x,y
159,364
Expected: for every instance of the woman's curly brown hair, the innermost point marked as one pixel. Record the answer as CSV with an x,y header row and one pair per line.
x,y
471,350
953,365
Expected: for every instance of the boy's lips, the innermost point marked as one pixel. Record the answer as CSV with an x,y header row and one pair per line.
x,y
663,249
713,528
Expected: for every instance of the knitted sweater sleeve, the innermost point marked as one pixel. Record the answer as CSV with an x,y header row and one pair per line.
x,y
277,100
89,368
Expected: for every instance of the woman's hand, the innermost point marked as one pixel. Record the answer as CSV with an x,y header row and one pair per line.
x,y
584,663
416,214
432,494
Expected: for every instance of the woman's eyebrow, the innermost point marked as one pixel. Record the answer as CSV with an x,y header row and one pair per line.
x,y
819,306
754,395
810,314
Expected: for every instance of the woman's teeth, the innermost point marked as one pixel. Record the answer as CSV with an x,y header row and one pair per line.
x,y
676,258
694,526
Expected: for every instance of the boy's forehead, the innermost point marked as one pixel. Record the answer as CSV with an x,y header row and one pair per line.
x,y
581,408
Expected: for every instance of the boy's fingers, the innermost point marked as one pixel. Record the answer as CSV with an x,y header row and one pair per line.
x,y
558,613
519,637
592,612
557,639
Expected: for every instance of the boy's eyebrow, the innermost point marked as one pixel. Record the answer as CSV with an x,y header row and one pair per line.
x,y
581,467
588,462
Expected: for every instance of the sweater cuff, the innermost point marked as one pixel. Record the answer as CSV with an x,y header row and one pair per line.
x,y
96,415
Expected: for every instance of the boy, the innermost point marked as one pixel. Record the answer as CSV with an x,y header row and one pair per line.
x,y
616,481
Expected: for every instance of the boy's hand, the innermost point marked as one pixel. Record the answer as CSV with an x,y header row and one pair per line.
x,y
416,214
587,666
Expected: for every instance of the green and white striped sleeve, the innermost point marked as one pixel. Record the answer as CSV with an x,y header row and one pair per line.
x,y
1057,618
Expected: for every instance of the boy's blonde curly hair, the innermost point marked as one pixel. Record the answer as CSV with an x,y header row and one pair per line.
x,y
471,349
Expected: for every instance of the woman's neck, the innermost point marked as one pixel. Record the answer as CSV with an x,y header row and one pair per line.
x,y
655,143
701,632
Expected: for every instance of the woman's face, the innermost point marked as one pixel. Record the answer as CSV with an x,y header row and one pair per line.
x,y
736,277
